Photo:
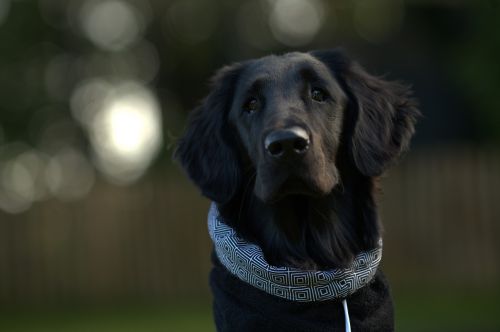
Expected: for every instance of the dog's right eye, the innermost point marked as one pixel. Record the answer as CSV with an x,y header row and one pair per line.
x,y
318,95
251,105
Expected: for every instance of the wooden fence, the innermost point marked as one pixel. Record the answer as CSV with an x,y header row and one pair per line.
x,y
440,208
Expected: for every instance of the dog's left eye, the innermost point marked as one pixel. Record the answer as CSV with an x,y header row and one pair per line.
x,y
251,105
318,95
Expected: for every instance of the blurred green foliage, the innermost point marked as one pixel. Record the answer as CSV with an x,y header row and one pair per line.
x,y
148,319
416,311
459,37
478,72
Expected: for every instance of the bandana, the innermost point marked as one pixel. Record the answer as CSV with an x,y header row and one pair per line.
x,y
246,261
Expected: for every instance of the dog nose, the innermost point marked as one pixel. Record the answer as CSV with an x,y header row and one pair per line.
x,y
293,141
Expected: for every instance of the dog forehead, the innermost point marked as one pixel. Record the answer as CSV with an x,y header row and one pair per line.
x,y
276,68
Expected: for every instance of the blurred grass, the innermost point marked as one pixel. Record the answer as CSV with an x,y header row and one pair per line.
x,y
417,310
185,318
435,309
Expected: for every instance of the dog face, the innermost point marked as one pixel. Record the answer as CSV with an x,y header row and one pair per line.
x,y
278,123
287,112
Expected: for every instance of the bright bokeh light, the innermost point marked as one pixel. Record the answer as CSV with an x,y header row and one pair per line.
x,y
68,175
295,22
28,176
130,126
124,125
111,24
21,177
88,98
377,21
35,163
17,188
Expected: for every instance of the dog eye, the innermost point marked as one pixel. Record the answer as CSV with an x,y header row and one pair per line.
x,y
318,95
251,105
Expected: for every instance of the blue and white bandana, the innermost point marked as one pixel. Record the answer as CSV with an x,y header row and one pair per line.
x,y
246,261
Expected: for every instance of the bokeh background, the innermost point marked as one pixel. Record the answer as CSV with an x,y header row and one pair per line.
x,y
101,231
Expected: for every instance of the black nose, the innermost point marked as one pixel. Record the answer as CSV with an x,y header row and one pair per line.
x,y
287,142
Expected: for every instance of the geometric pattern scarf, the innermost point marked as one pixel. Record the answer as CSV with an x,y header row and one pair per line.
x,y
246,261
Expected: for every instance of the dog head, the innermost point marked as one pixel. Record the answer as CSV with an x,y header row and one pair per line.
x,y
279,122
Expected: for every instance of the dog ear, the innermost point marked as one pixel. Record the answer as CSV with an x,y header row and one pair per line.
x,y
207,149
381,114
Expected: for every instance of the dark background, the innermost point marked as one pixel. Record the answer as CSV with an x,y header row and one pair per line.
x,y
101,231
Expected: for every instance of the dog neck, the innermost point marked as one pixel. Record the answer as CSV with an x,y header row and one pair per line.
x,y
246,261
310,232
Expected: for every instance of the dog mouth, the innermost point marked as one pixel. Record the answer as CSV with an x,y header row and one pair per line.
x,y
296,186
284,187
312,178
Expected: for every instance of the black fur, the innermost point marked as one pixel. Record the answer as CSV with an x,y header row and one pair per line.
x,y
383,114
319,211
241,307
301,230
207,151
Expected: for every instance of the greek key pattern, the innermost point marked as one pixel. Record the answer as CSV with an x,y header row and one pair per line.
x,y
246,261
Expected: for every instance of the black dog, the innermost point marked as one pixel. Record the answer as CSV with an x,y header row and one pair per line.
x,y
289,147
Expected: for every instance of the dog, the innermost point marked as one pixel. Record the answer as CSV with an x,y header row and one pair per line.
x,y
289,148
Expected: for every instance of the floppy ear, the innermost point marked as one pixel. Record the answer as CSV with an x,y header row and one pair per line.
x,y
381,114
207,149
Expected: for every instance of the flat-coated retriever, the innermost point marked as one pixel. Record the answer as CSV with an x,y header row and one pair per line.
x,y
289,149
